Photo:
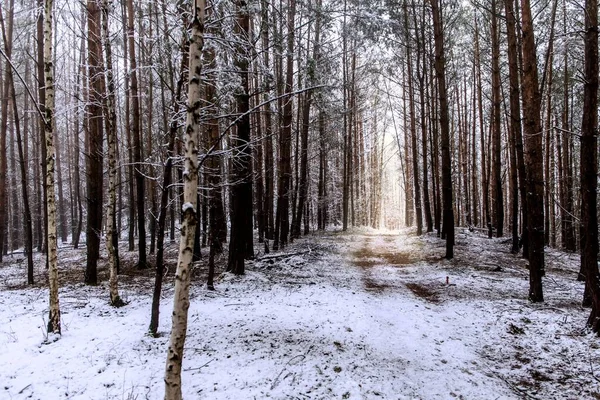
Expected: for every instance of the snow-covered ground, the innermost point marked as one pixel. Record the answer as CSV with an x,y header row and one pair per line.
x,y
362,315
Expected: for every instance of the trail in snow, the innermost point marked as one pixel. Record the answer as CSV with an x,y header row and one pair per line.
x,y
360,315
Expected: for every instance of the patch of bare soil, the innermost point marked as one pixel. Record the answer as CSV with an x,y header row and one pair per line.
x,y
424,292
367,257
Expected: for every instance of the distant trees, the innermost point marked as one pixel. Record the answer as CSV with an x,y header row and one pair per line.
x,y
295,105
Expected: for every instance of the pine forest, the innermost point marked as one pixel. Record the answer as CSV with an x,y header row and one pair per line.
x,y
299,199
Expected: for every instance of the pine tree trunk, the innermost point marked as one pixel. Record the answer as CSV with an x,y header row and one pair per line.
x,y
268,141
589,164
137,139
240,245
7,38
285,140
567,182
448,212
517,164
413,129
498,199
94,160
533,156
485,220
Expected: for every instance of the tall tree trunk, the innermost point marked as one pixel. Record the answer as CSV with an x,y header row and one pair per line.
x,y
7,38
137,139
547,82
413,129
533,156
268,140
589,164
5,90
567,183
111,139
54,309
240,245
76,225
498,199
167,176
440,69
285,140
485,220
310,81
181,301
518,169
94,164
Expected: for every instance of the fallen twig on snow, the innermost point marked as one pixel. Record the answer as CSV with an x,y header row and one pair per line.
x,y
270,257
200,367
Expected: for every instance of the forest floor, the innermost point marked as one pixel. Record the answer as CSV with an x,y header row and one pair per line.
x,y
359,315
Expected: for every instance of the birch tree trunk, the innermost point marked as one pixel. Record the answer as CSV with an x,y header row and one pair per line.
x,y
181,301
54,317
111,139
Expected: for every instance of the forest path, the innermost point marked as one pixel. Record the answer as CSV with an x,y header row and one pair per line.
x,y
356,315
435,347
465,327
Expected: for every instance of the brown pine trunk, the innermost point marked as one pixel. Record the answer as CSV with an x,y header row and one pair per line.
x,y
533,156
240,243
268,140
589,164
517,162
547,81
7,38
567,211
137,139
285,139
310,81
485,220
94,159
498,199
448,212
3,134
413,130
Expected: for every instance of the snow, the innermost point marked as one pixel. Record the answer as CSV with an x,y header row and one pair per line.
x,y
361,315
187,206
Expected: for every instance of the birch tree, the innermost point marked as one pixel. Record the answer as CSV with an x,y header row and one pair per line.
x,y
54,317
181,301
111,139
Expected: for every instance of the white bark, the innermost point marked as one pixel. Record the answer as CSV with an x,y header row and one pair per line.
x,y
111,138
188,227
54,317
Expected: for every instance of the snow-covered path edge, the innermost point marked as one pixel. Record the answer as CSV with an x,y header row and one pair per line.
x,y
359,315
